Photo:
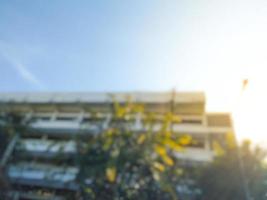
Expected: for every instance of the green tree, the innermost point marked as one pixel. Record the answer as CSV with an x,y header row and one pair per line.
x,y
123,164
10,124
224,179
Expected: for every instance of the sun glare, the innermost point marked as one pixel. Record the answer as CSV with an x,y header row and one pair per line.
x,y
249,113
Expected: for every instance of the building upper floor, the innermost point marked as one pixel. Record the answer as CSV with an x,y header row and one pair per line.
x,y
75,109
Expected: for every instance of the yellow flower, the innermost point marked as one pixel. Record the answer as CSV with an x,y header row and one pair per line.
x,y
167,160
160,150
230,139
185,140
167,134
168,117
176,119
167,141
159,166
217,148
173,145
141,139
111,173
177,147
138,108
120,112
173,118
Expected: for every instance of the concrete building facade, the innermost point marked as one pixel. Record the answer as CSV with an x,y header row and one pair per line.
x,y
54,120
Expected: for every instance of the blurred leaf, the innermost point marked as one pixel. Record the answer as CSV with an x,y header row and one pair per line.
x,y
167,160
230,140
160,150
111,174
159,166
141,139
185,140
219,151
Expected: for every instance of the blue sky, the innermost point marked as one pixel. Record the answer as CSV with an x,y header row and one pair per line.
x,y
131,45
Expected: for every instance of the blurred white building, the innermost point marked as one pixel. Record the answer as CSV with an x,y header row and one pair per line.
x,y
56,119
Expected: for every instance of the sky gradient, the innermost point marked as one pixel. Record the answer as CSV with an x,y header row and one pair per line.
x,y
150,45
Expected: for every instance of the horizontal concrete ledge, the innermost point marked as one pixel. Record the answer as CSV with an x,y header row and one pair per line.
x,y
94,97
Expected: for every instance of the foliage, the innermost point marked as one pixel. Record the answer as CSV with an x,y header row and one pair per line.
x,y
123,164
223,179
10,123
